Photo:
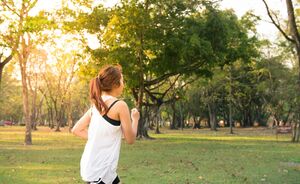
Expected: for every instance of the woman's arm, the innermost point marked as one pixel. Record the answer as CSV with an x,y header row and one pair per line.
x,y
80,128
129,129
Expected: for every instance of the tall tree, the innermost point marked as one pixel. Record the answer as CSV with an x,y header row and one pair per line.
x,y
37,59
7,44
3,62
22,47
58,78
26,29
162,39
10,98
293,36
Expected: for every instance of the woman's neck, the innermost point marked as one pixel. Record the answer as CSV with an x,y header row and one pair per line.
x,y
109,94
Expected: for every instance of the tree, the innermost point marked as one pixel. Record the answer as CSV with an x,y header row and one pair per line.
x,y
22,47
58,78
26,29
6,43
293,36
37,59
162,40
196,106
10,98
3,63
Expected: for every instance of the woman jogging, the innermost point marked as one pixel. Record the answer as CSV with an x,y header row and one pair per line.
x,y
102,125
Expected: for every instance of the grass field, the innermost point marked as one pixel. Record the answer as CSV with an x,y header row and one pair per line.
x,y
174,157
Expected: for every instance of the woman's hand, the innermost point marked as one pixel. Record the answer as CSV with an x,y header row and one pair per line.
x,y
135,114
129,121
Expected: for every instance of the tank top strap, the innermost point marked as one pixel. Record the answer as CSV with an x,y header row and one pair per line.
x,y
111,106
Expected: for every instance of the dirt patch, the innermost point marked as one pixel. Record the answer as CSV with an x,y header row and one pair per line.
x,y
294,165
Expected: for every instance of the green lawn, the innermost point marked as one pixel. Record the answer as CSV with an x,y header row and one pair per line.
x,y
174,157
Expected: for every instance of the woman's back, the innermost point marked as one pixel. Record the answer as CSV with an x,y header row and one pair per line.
x,y
104,142
103,126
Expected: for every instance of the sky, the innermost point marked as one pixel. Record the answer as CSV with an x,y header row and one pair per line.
x,y
265,28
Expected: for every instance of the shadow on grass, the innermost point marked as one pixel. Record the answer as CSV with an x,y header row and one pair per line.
x,y
223,139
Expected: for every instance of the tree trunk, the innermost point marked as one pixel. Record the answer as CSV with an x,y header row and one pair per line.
x,y
247,118
23,55
69,113
62,116
295,40
181,118
70,121
58,124
295,129
298,133
212,117
26,111
296,37
38,113
143,126
244,119
156,112
2,64
50,117
259,114
173,122
208,121
294,132
33,104
1,73
59,120
196,122
147,117
157,126
59,111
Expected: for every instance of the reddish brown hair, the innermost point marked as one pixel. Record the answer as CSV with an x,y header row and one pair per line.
x,y
108,78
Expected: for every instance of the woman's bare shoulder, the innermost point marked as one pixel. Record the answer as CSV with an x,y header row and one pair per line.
x,y
121,104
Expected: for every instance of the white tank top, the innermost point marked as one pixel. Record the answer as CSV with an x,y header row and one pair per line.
x,y
101,153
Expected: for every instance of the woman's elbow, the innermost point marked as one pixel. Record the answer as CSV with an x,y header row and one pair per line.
x,y
74,131
130,141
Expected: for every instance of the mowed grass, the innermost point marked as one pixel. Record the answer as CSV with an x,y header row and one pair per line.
x,y
173,157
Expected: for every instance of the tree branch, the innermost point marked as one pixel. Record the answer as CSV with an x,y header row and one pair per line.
x,y
160,99
153,98
6,60
171,86
183,70
159,79
4,3
30,5
277,25
158,85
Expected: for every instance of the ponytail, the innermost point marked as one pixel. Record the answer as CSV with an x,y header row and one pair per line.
x,y
95,95
108,78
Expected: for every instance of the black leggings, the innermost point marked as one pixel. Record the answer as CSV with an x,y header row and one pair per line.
x,y
116,181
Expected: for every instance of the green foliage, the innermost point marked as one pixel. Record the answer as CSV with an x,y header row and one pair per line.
x,y
278,88
10,98
38,23
257,90
169,37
